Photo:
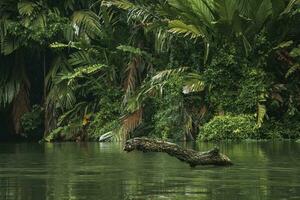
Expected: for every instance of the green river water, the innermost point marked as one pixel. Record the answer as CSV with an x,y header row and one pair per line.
x,y
71,171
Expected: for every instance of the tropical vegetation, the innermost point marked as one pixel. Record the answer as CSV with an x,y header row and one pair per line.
x,y
173,69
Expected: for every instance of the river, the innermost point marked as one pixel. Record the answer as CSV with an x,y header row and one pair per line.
x,y
88,171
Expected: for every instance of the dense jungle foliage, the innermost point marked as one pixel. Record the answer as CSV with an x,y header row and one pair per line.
x,y
172,69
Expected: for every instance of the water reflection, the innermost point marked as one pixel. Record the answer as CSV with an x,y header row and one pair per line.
x,y
262,170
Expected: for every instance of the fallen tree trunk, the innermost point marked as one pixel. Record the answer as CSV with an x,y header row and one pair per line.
x,y
193,158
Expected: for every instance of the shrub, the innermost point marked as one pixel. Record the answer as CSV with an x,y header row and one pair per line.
x,y
284,129
98,128
55,134
168,117
32,123
70,132
229,127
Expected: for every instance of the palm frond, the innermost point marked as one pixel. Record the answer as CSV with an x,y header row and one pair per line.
x,y
134,51
80,58
131,49
226,10
193,82
153,87
72,113
26,8
3,28
292,70
61,96
179,27
79,72
290,6
163,40
9,45
295,52
131,121
283,45
132,77
138,11
165,74
88,22
123,4
204,9
264,11
58,45
40,21
11,80
9,88
188,125
194,12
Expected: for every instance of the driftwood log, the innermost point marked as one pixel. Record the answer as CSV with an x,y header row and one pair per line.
x,y
193,158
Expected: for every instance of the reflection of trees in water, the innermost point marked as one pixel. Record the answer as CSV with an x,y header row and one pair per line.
x,y
111,174
16,188
83,171
5,189
18,170
4,125
246,179
283,172
104,171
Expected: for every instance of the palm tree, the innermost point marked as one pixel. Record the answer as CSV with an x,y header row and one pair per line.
x,y
26,30
208,22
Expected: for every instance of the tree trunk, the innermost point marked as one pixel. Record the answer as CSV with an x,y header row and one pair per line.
x,y
20,106
21,102
193,158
